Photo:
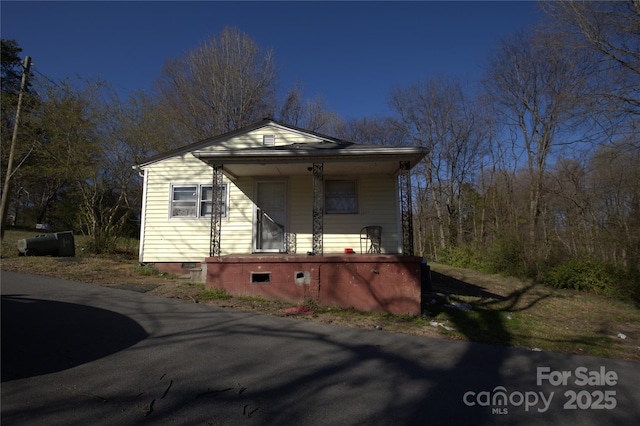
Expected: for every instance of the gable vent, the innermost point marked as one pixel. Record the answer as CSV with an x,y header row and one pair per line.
x,y
269,140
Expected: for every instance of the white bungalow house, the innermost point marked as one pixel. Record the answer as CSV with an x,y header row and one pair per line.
x,y
283,194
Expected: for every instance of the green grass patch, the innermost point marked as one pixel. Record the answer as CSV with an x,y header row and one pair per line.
x,y
214,294
147,270
253,299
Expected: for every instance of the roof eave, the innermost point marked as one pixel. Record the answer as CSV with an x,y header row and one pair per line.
x,y
266,156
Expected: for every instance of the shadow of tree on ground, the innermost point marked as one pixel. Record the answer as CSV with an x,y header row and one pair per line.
x,y
480,315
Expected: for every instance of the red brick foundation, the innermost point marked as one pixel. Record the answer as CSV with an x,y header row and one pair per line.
x,y
382,283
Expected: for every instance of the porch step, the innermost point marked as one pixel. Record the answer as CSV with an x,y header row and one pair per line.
x,y
195,275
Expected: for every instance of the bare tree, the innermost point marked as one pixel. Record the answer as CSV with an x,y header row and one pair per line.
x,y
144,125
611,27
309,114
436,115
387,131
612,30
536,82
615,186
222,85
292,111
594,206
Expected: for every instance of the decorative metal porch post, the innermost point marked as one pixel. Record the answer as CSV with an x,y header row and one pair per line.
x,y
318,198
216,213
406,207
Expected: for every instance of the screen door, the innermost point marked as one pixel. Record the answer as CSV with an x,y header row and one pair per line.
x,y
271,214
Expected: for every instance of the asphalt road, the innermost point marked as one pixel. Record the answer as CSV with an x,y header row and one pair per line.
x,y
77,354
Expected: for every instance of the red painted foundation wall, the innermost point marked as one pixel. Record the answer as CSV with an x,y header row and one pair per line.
x,y
380,283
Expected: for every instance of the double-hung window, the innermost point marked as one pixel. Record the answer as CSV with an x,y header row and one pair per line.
x,y
341,196
196,201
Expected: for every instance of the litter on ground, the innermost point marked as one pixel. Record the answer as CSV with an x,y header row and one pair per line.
x,y
439,324
299,310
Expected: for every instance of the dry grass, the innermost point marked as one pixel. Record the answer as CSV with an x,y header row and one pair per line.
x,y
535,316
504,311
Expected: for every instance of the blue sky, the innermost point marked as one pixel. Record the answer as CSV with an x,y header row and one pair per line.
x,y
350,53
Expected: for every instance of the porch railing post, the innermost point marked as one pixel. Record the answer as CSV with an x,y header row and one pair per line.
x,y
406,207
216,213
318,201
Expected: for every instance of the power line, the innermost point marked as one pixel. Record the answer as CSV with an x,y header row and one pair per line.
x,y
50,80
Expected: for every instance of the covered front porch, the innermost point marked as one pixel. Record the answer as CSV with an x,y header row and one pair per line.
x,y
313,165
299,266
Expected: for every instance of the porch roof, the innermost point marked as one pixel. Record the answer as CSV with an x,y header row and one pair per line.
x,y
295,159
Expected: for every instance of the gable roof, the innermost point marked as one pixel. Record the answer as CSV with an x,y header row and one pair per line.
x,y
229,135
323,148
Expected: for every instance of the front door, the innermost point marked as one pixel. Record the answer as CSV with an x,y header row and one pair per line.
x,y
270,217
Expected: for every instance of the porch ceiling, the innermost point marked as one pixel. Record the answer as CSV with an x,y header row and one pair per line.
x,y
299,169
266,162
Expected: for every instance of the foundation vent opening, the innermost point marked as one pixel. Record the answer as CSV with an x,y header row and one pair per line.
x,y
260,277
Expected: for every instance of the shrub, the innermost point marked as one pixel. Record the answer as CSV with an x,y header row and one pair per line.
x,y
148,270
461,257
507,257
582,275
627,284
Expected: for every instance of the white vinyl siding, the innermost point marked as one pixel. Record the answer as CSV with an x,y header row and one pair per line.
x,y
300,213
169,239
377,207
176,240
255,139
237,232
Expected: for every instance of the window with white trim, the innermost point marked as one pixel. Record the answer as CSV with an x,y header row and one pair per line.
x,y
340,196
196,201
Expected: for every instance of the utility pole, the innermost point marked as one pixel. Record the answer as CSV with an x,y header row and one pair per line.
x,y
4,205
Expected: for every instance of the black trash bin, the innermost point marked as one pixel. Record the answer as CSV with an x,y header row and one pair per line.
x,y
56,244
66,244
